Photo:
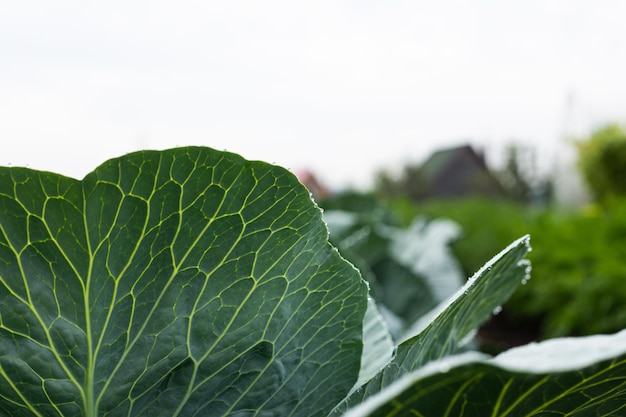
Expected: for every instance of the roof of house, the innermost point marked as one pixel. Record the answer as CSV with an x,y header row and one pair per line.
x,y
458,171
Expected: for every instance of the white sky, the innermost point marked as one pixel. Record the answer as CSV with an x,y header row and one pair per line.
x,y
340,87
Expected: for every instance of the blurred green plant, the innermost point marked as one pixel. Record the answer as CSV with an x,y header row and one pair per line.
x,y
486,224
602,160
579,277
521,178
579,284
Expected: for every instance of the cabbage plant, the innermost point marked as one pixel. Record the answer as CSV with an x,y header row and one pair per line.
x,y
192,282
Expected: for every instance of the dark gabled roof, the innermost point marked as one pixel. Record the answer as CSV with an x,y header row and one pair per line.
x,y
456,172
444,159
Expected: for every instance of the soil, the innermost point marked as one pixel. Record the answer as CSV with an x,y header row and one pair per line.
x,y
503,332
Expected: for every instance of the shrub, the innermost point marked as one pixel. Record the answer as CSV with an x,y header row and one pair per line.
x,y
579,273
602,159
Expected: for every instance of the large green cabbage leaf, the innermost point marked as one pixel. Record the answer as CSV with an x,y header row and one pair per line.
x,y
173,283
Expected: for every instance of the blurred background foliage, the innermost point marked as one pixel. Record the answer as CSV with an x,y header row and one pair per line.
x,y
578,284
602,159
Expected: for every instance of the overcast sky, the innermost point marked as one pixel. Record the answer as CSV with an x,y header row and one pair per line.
x,y
340,87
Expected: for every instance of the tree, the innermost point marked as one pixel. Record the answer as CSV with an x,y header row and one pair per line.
x,y
602,160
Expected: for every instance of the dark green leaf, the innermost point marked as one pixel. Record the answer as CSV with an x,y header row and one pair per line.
x,y
183,282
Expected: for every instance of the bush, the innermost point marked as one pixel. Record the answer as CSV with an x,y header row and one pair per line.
x,y
579,284
602,160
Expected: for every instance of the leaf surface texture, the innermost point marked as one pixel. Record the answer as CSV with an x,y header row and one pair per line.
x,y
179,283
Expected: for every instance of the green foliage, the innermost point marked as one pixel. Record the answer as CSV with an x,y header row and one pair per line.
x,y
410,182
520,178
486,225
602,159
192,282
578,261
579,272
